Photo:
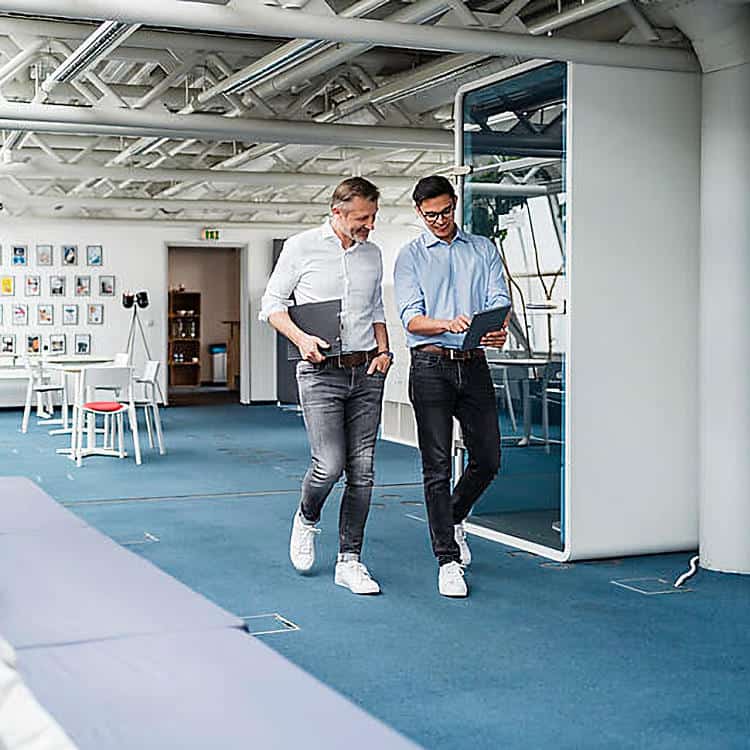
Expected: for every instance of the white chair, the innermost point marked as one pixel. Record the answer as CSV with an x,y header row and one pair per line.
x,y
150,404
87,408
121,359
43,384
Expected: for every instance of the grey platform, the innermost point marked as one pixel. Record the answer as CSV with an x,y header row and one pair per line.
x,y
124,656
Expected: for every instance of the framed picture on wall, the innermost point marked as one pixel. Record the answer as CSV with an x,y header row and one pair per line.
x,y
57,343
19,255
44,255
45,315
106,286
95,315
7,286
33,343
20,314
83,343
33,286
8,343
57,286
83,286
94,255
70,255
70,315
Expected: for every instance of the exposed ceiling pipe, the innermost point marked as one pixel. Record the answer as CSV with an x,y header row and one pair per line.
x,y
285,55
197,204
572,15
42,169
46,118
719,32
274,22
500,189
11,68
645,29
419,12
142,39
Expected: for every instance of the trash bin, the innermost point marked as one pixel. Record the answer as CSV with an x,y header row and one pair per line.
x,y
218,354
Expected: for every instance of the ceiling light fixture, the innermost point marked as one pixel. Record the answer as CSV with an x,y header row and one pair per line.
x,y
89,52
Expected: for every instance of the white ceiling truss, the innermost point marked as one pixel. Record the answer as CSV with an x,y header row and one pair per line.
x,y
239,112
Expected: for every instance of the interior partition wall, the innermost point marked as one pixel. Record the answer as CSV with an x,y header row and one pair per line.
x,y
598,228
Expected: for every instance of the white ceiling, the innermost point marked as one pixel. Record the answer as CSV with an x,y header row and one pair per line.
x,y
148,124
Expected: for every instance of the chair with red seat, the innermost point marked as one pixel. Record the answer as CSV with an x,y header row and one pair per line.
x,y
88,406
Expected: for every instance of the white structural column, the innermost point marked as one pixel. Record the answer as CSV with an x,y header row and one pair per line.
x,y
724,339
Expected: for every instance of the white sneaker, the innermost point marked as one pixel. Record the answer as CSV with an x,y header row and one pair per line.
x,y
302,543
355,576
459,534
451,580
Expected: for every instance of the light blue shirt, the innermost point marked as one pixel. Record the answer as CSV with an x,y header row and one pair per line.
x,y
445,279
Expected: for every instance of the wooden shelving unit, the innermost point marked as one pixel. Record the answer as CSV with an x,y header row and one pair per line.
x,y
184,338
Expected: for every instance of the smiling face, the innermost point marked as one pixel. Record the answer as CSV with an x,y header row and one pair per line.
x,y
354,220
438,215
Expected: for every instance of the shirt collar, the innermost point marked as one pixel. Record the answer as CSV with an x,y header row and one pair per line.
x,y
430,240
329,234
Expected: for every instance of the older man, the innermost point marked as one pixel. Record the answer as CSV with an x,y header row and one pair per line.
x,y
341,396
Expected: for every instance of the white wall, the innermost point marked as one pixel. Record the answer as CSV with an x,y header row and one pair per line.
x,y
136,254
633,240
725,321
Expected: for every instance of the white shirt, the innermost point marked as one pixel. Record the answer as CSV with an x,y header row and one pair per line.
x,y
315,267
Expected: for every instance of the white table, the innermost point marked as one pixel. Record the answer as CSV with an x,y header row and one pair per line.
x,y
71,366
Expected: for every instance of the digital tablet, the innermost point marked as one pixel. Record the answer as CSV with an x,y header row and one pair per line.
x,y
484,322
321,319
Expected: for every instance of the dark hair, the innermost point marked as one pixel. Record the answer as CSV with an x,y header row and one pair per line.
x,y
432,187
354,187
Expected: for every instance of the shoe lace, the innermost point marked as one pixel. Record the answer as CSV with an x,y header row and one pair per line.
x,y
307,538
453,571
361,571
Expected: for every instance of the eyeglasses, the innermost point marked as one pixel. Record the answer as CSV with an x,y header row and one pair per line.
x,y
433,217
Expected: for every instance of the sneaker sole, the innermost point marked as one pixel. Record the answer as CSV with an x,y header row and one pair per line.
x,y
358,593
454,596
302,570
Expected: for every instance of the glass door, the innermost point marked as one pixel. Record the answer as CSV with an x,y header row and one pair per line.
x,y
512,147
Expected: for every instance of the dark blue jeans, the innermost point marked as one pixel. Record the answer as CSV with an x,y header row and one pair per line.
x,y
441,389
341,407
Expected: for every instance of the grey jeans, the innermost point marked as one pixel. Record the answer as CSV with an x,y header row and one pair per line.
x,y
341,407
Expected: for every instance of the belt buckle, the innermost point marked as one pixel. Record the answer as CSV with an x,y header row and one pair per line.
x,y
339,363
455,355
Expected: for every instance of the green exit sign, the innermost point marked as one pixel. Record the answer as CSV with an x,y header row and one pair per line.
x,y
210,233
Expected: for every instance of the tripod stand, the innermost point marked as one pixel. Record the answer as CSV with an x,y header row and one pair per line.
x,y
137,327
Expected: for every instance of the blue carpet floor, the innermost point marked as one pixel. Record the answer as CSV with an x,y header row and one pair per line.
x,y
211,450
540,655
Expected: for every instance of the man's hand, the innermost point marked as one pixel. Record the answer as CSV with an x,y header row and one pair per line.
x,y
495,339
308,348
458,325
381,363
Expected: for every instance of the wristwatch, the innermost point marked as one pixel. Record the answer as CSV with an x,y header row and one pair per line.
x,y
387,354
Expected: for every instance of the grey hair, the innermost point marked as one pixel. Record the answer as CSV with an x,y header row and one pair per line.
x,y
354,187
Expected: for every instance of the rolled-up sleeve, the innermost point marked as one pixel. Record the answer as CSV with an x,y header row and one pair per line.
x,y
497,289
280,286
409,294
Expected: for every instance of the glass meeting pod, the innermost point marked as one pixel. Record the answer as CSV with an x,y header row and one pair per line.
x,y
554,160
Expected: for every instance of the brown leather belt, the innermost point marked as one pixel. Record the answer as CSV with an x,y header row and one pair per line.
x,y
454,354
351,359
